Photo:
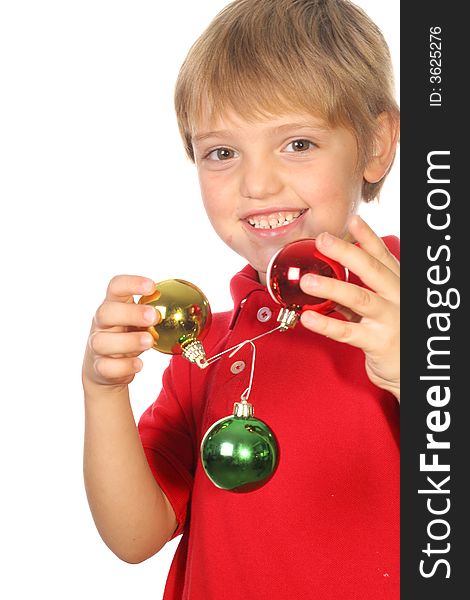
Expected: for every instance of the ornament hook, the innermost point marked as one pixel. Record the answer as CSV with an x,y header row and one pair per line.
x,y
246,394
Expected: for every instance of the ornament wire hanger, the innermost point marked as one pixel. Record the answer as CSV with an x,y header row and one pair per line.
x,y
246,394
235,349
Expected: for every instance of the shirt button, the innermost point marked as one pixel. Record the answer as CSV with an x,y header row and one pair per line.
x,y
237,367
264,314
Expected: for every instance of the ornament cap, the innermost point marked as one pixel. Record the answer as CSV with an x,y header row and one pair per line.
x,y
288,318
243,410
195,353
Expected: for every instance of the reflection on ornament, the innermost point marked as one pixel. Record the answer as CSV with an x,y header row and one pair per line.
x,y
239,453
185,319
287,267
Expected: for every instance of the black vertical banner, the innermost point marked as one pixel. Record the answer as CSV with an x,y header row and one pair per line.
x,y
435,423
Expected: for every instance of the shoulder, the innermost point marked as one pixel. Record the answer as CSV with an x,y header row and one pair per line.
x,y
218,329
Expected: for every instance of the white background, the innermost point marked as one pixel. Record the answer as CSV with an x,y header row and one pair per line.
x,y
93,182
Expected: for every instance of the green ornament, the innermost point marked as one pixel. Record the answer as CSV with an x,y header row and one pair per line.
x,y
239,453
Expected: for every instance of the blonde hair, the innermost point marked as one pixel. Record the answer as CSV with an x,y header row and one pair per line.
x,y
269,57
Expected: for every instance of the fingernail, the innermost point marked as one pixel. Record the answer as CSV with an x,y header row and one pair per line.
x,y
309,317
146,341
150,314
148,287
355,221
326,239
310,281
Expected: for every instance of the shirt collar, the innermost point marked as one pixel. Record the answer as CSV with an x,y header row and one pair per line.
x,y
242,285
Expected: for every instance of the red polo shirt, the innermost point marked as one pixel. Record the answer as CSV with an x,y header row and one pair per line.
x,y
326,526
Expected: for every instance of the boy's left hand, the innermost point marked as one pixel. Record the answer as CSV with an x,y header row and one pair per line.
x,y
373,316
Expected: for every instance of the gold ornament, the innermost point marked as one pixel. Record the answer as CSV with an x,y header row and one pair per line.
x,y
185,319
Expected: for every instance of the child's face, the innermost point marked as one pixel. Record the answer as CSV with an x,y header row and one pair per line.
x,y
269,182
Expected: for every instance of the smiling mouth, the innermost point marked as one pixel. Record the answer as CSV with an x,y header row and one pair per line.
x,y
274,220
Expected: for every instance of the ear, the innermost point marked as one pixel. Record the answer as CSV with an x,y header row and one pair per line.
x,y
384,147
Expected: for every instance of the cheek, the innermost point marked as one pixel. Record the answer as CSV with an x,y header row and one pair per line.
x,y
338,188
321,192
221,207
213,192
218,211
209,197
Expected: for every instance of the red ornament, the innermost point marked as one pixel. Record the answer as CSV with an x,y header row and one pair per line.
x,y
289,265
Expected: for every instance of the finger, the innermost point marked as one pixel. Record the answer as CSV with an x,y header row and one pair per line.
x,y
111,314
372,243
360,300
122,288
368,268
117,368
348,313
341,331
106,343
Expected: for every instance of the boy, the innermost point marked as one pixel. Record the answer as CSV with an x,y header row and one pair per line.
x,y
287,109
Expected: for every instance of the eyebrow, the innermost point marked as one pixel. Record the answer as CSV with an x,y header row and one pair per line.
x,y
274,131
302,125
211,134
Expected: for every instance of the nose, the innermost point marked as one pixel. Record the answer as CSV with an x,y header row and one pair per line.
x,y
260,178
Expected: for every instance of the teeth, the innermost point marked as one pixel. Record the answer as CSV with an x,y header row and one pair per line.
x,y
275,220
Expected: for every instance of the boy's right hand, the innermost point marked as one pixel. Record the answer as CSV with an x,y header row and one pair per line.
x,y
118,333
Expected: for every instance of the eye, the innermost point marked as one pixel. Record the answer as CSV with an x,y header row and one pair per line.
x,y
221,154
300,145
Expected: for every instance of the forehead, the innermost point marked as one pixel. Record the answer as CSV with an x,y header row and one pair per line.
x,y
213,124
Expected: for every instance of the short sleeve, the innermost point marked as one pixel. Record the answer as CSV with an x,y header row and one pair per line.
x,y
165,429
